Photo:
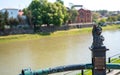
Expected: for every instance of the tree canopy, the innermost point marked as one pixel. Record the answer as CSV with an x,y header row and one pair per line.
x,y
44,12
1,21
95,16
112,18
60,1
73,14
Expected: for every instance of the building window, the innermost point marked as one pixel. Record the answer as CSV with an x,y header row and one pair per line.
x,y
88,16
81,15
81,20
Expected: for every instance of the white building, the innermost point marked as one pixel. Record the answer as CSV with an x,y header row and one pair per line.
x,y
11,12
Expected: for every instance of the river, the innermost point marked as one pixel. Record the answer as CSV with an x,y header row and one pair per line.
x,y
52,51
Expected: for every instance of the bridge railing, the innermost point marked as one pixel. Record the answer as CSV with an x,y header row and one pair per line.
x,y
79,72
113,59
57,69
65,69
69,68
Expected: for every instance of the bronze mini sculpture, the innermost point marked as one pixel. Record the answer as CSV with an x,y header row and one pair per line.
x,y
97,37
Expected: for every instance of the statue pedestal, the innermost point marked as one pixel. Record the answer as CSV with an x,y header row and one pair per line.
x,y
99,60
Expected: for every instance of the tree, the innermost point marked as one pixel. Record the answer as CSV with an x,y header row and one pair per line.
x,y
60,1
1,21
102,21
103,12
60,15
28,15
44,12
73,14
47,13
112,18
118,17
95,16
29,18
13,21
6,17
36,7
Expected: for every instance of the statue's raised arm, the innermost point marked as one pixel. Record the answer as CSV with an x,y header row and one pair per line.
x,y
97,37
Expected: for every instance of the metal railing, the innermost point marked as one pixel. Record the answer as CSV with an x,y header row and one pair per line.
x,y
57,69
83,67
65,69
113,59
79,72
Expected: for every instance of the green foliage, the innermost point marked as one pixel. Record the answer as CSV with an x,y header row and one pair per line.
x,y
1,16
25,10
35,8
6,17
60,1
112,18
60,16
47,13
102,12
95,16
1,21
12,21
44,12
5,20
73,14
28,15
118,17
102,22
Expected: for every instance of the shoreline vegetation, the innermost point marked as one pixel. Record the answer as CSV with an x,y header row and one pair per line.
x,y
23,37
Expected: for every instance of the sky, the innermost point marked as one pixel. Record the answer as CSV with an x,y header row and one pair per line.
x,y
111,5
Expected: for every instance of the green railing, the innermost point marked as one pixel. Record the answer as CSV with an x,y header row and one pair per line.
x,y
65,68
85,68
114,59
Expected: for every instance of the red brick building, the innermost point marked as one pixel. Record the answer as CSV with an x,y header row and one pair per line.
x,y
84,16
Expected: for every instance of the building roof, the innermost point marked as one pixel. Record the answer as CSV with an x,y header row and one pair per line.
x,y
9,9
85,10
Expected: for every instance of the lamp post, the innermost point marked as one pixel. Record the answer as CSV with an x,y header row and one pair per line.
x,y
98,52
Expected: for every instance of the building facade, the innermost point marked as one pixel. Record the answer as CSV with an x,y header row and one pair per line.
x,y
12,12
84,16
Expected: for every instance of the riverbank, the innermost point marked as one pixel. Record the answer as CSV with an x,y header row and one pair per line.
x,y
23,37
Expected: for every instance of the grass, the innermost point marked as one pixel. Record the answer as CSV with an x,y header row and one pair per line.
x,y
23,37
111,27
87,72
115,60
20,37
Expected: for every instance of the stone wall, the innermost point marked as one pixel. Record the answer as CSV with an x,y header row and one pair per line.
x,y
43,29
16,31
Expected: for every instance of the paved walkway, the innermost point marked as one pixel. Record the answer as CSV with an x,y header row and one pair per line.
x,y
114,72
